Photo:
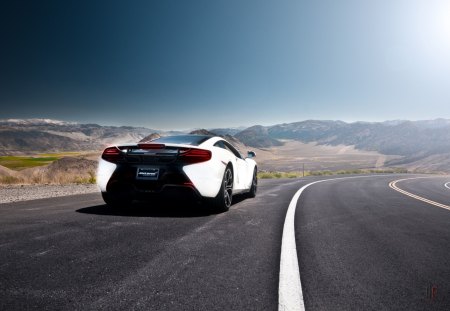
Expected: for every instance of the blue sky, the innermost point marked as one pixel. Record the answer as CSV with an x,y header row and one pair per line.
x,y
187,64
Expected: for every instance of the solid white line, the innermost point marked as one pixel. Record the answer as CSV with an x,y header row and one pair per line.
x,y
290,294
447,185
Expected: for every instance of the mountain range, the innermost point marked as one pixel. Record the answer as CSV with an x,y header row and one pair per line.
x,y
406,138
45,135
412,141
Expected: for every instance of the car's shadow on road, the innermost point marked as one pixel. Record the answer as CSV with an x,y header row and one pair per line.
x,y
180,209
149,210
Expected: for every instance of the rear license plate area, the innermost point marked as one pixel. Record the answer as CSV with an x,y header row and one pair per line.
x,y
147,173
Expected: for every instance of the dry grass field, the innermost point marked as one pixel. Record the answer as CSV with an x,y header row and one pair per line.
x,y
294,155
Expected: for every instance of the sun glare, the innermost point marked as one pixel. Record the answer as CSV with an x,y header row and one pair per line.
x,y
429,35
442,24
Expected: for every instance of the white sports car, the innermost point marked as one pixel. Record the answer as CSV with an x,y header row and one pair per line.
x,y
205,166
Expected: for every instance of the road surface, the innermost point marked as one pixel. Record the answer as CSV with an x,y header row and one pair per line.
x,y
361,246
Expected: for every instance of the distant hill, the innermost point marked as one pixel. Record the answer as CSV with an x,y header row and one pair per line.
x,y
233,140
21,136
227,131
408,138
202,132
415,141
257,136
45,135
150,137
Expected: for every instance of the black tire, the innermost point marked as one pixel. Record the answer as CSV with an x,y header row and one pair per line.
x,y
254,187
117,201
223,200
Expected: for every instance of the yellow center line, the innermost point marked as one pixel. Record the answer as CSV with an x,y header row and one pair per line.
x,y
393,185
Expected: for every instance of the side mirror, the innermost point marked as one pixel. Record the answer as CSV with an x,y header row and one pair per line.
x,y
251,154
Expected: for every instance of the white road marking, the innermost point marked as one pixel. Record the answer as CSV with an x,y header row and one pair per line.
x,y
290,294
393,185
447,185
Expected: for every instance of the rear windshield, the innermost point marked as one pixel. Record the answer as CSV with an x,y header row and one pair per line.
x,y
193,140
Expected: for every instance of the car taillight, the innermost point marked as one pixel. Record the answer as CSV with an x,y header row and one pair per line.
x,y
195,155
112,154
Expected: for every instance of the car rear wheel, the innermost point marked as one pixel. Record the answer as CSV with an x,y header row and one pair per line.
x,y
222,201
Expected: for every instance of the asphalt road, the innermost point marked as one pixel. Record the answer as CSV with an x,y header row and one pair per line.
x,y
76,253
364,246
361,246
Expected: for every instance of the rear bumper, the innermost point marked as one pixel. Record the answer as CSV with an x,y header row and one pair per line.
x,y
172,192
172,183
198,180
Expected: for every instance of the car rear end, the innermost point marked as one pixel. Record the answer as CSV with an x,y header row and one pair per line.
x,y
146,170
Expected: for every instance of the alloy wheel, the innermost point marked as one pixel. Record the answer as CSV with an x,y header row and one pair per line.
x,y
228,187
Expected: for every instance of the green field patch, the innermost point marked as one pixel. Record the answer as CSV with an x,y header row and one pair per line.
x,y
60,154
18,163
